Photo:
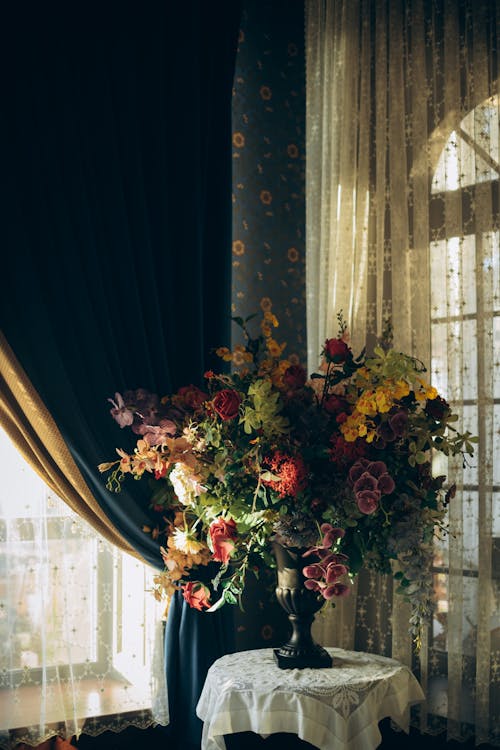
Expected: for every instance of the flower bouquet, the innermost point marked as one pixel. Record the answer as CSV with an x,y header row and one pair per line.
x,y
338,464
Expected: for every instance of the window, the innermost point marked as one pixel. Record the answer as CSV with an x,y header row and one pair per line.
x,y
465,302
80,632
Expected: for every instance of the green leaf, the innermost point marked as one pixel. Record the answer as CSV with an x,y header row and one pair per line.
x,y
229,597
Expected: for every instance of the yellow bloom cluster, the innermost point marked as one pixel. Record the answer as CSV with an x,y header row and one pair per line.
x,y
239,356
380,400
268,322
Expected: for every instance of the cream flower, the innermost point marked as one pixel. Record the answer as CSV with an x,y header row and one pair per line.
x,y
185,484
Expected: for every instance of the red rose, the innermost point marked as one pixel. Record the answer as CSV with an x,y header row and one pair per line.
x,y
227,403
336,350
196,594
222,533
191,396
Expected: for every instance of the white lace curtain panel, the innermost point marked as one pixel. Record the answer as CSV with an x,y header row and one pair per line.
x,y
402,222
81,637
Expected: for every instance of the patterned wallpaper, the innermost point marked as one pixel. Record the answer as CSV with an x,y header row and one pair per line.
x,y
268,169
269,220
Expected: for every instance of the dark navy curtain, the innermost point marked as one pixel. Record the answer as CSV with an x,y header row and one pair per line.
x,y
115,208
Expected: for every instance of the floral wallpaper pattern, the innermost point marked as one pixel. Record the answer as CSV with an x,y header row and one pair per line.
x,y
268,249
269,169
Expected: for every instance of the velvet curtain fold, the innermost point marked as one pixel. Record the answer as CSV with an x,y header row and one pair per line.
x,y
116,180
115,200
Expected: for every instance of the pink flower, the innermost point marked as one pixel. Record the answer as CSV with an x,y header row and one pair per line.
x,y
157,434
313,585
331,535
335,589
121,413
386,484
365,482
368,501
357,469
312,571
376,468
223,533
335,571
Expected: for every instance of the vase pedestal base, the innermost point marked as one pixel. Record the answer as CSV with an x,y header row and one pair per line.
x,y
291,658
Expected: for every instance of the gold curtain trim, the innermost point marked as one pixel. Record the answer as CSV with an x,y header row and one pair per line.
x,y
28,423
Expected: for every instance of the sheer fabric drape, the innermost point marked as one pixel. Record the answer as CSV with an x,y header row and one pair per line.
x,y
81,637
403,223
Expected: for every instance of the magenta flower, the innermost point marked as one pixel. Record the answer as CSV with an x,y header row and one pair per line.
x,y
368,501
335,589
312,585
365,482
376,468
386,484
335,571
358,468
312,571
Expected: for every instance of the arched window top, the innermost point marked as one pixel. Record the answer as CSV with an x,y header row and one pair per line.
x,y
471,154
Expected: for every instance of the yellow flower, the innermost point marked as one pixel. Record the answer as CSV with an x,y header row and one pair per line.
x,y
224,353
274,348
268,322
241,355
238,140
367,404
401,389
238,247
278,372
383,399
352,426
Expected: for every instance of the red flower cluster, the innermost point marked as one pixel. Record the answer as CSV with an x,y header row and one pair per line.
x,y
344,452
291,472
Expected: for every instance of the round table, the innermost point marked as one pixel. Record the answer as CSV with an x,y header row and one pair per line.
x,y
338,708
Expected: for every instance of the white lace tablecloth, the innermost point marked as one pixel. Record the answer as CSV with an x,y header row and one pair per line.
x,y
333,709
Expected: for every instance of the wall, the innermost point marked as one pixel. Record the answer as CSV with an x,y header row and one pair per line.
x,y
268,143
269,169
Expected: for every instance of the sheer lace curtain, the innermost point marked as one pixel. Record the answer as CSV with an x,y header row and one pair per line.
x,y
403,223
81,637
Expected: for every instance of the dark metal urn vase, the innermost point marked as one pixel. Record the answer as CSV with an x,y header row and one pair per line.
x,y
300,650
